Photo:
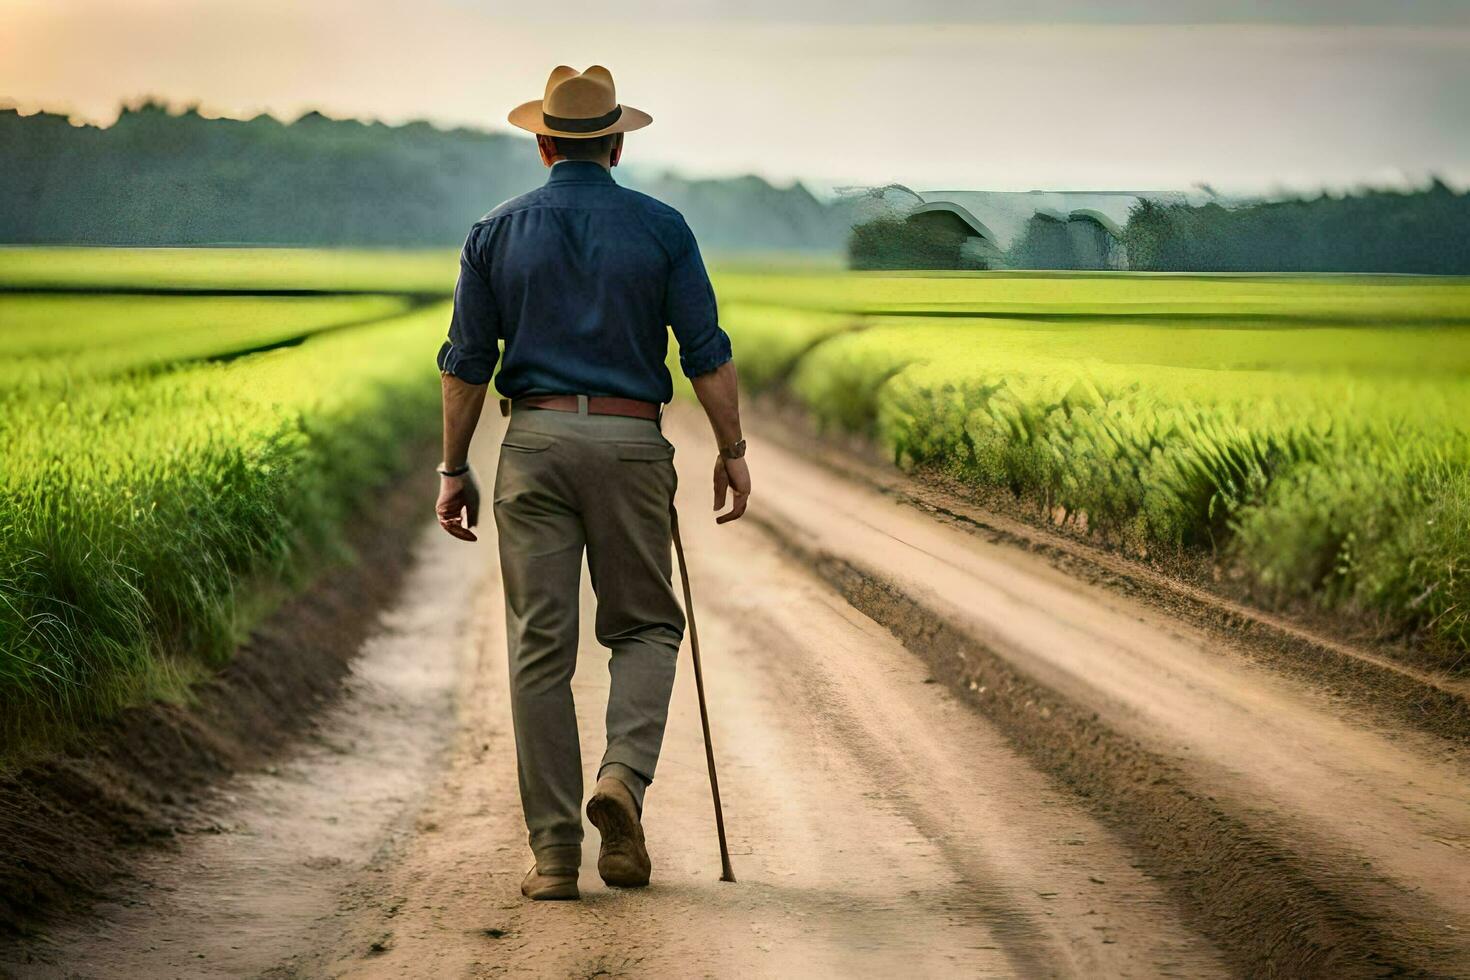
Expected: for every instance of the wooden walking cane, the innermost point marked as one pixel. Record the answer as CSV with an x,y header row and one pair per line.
x,y
728,873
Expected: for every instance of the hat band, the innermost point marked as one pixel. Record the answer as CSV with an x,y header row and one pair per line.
x,y
567,124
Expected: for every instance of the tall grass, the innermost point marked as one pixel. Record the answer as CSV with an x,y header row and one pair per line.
x,y
133,507
1323,462
774,338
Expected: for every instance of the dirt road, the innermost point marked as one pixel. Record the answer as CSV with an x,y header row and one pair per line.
x,y
940,756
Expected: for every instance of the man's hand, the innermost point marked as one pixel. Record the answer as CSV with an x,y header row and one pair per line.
x,y
719,392
459,494
732,475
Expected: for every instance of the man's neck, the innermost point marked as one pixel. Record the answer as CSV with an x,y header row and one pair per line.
x,y
604,164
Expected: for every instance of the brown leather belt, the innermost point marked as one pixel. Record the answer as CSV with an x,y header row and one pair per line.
x,y
596,405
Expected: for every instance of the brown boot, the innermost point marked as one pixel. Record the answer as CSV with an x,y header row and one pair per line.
x,y
623,861
550,884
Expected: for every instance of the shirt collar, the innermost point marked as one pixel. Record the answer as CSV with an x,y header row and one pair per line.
x,y
579,172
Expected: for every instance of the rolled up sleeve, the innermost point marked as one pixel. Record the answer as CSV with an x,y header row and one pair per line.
x,y
689,308
473,346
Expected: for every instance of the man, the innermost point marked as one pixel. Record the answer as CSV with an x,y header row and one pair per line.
x,y
580,280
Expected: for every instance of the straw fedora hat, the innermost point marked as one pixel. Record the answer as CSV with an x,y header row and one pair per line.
x,y
580,105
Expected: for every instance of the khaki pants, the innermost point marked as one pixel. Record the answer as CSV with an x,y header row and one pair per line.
x,y
569,482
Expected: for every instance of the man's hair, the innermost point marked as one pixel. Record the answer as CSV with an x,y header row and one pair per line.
x,y
584,149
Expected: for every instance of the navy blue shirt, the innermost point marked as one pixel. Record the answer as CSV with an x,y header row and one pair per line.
x,y
580,279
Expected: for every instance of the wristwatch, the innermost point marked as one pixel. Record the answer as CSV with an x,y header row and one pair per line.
x,y
456,471
733,452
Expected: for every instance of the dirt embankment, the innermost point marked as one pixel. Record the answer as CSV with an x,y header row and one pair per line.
x,y
70,823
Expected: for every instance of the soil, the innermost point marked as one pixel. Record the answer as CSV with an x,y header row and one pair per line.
x,y
940,753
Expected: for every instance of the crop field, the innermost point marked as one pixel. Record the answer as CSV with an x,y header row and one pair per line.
x,y
179,427
230,269
1383,300
1312,434
165,459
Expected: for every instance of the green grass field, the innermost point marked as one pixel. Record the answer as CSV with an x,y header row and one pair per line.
x,y
163,455
329,270
62,340
1324,462
1173,296
167,461
1311,433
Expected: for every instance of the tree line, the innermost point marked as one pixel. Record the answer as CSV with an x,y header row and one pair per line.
x,y
1423,231
163,176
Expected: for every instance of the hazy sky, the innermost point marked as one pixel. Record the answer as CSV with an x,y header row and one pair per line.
x,y
1043,93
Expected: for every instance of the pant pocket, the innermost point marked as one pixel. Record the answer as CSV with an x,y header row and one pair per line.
x,y
526,442
648,452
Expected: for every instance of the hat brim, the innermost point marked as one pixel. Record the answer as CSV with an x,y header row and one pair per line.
x,y
528,116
